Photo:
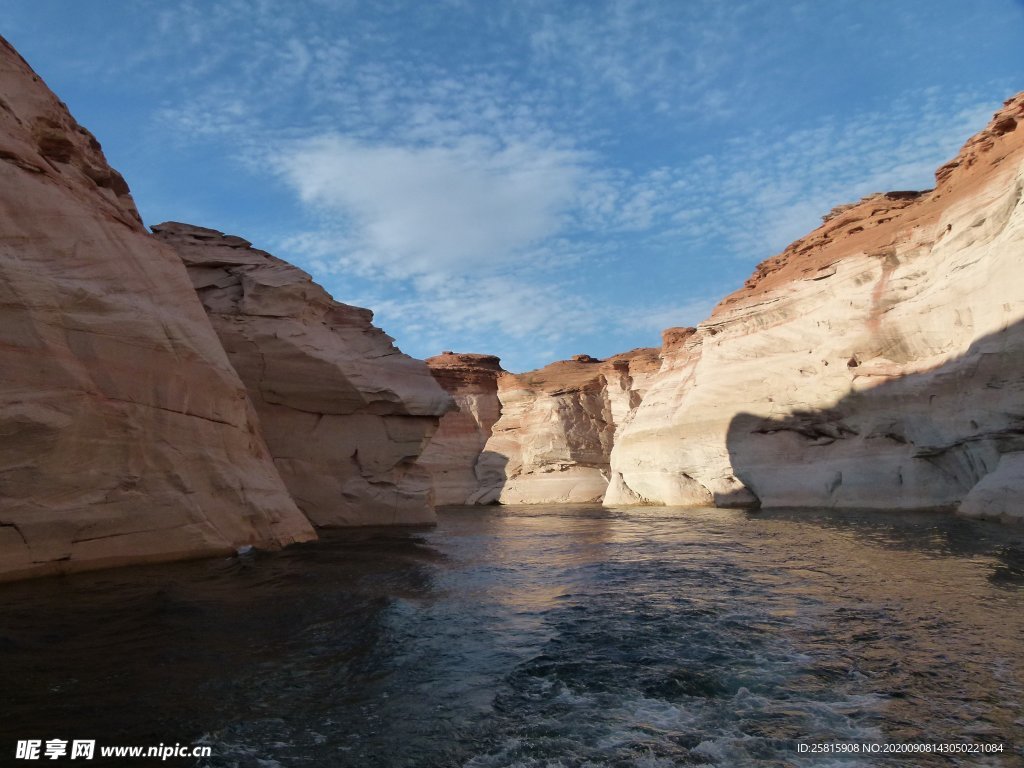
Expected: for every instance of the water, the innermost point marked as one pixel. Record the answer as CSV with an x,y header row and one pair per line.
x,y
541,637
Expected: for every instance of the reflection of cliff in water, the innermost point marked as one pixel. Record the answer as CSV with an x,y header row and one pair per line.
x,y
205,644
989,546
924,440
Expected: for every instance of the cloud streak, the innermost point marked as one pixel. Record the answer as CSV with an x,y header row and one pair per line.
x,y
408,210
489,239
541,178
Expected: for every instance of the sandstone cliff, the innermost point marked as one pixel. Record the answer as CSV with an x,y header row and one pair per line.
x,y
450,458
344,413
557,428
126,435
878,362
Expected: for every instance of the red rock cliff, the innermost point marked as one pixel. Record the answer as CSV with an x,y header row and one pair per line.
x,y
127,435
557,428
345,414
452,453
877,362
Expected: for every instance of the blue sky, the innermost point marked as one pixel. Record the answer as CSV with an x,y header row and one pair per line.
x,y
529,179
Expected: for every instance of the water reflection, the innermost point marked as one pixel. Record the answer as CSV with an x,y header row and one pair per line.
x,y
162,653
571,636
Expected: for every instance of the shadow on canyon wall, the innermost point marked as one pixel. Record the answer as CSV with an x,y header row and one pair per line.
x,y
921,440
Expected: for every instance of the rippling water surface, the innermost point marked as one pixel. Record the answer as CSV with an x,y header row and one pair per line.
x,y
554,636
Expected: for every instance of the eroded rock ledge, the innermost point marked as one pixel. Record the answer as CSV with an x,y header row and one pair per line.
x,y
557,427
472,380
345,414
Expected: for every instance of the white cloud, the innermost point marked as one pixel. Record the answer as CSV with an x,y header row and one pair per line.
x,y
656,317
766,189
469,206
532,174
546,316
477,310
638,52
486,238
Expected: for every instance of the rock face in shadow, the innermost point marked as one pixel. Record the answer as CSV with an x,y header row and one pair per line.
x,y
557,427
345,414
944,436
126,435
875,363
451,456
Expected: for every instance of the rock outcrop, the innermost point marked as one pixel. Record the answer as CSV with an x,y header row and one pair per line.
x,y
345,414
125,435
878,362
450,458
557,427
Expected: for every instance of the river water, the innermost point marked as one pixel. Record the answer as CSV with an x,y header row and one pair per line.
x,y
542,636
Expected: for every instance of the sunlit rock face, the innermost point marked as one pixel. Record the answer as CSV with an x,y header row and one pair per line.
x,y
126,435
557,426
450,458
878,362
345,414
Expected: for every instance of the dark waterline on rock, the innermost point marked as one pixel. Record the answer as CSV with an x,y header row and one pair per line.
x,y
554,636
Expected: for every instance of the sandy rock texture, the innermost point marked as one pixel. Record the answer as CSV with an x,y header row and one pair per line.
x,y
450,457
125,435
877,362
557,427
345,414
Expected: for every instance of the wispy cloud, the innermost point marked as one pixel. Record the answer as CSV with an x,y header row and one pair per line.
x,y
408,210
538,178
779,184
501,307
668,58
771,186
489,239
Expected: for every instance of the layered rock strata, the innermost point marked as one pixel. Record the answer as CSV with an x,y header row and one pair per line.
x,y
450,458
877,362
126,434
345,414
557,427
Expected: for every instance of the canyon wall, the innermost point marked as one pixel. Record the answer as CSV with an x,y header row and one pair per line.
x,y
183,394
345,414
126,434
557,427
450,457
877,362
